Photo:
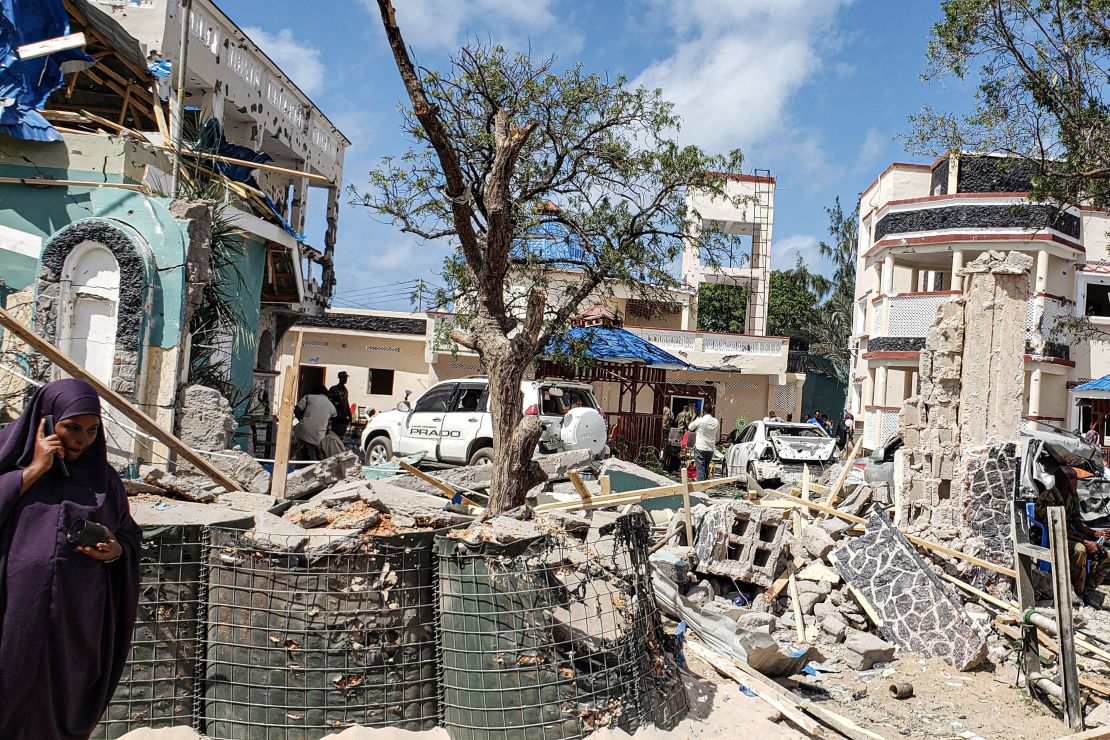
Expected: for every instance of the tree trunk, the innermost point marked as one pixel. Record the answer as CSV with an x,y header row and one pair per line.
x,y
515,436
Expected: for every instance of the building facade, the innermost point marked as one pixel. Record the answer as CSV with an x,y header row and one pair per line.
x,y
919,225
100,257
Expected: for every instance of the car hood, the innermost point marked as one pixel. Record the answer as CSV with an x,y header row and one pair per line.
x,y
803,449
386,418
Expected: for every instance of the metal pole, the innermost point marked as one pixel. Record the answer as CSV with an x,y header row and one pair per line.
x,y
179,103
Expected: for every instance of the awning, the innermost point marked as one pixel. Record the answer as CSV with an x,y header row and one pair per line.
x,y
615,345
1102,384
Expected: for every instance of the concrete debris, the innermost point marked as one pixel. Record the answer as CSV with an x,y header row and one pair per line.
x,y
819,572
920,612
813,543
616,468
834,627
317,477
557,464
500,529
242,468
205,420
178,487
701,593
742,541
274,533
755,621
863,650
1099,716
671,565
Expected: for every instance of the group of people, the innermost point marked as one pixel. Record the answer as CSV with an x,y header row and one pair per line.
x,y
844,430
323,417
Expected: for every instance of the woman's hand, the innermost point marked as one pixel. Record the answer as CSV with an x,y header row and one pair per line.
x,y
47,450
103,551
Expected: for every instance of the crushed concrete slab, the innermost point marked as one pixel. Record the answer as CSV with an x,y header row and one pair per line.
x,y
557,464
863,650
422,509
158,511
271,532
920,612
1099,716
834,627
813,543
244,501
179,487
598,616
205,419
819,572
616,465
241,468
500,529
673,567
317,477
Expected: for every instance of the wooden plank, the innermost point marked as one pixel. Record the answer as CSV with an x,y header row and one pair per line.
x,y
159,115
834,493
686,508
1015,634
126,103
285,421
580,486
801,710
780,699
1065,626
616,499
141,420
925,544
253,165
434,482
606,486
792,582
37,181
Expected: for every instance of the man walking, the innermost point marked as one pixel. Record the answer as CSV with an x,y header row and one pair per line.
x,y
339,398
707,430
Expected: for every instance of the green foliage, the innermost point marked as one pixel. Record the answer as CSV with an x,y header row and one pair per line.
x,y
722,307
1042,71
792,304
598,175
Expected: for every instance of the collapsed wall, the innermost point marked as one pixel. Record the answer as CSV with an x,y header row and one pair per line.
x,y
955,474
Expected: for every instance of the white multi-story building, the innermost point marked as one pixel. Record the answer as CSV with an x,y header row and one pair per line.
x,y
919,224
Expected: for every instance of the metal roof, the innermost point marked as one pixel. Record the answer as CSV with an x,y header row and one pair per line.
x,y
1102,384
617,345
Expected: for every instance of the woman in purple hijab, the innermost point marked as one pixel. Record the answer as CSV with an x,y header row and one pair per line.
x,y
66,611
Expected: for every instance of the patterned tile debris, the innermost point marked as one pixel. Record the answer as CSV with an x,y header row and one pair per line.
x,y
988,508
920,612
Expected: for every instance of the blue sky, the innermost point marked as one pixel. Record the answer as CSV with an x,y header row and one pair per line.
x,y
814,90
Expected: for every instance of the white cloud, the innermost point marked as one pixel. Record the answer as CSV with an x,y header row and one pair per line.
x,y
785,252
873,144
300,61
738,63
444,24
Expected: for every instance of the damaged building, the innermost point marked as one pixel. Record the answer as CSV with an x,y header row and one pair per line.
x,y
97,252
920,224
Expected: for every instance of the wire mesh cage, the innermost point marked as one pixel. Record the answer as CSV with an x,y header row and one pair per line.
x,y
554,637
159,686
300,645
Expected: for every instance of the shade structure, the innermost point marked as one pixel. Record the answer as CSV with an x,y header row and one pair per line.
x,y
612,344
1101,384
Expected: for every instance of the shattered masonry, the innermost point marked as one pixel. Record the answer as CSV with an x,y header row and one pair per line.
x,y
920,612
741,541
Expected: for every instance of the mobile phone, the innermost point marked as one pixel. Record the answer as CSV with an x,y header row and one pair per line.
x,y
84,533
59,463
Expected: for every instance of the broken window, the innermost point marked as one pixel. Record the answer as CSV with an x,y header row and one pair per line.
x,y
381,382
1098,300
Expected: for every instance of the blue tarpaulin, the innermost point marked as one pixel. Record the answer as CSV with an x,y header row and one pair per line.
x,y
616,345
1102,384
25,85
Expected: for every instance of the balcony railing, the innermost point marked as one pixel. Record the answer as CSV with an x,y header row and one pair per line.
x,y
676,340
880,423
906,314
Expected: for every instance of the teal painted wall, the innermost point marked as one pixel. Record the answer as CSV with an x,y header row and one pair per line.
x,y
824,393
44,211
251,270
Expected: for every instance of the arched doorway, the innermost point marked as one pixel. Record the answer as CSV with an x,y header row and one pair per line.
x,y
90,308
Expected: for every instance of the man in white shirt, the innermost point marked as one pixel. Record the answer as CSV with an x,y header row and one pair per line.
x,y
707,430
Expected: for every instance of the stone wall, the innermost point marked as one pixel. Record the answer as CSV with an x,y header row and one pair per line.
x,y
971,375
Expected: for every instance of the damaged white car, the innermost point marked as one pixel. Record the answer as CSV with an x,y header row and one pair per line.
x,y
773,453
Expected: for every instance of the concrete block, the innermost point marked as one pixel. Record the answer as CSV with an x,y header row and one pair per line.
x,y
819,572
205,420
863,650
309,480
740,541
834,627
670,565
179,487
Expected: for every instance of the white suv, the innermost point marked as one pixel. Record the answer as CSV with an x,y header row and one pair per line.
x,y
450,423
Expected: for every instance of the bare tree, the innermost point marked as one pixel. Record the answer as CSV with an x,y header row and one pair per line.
x,y
555,187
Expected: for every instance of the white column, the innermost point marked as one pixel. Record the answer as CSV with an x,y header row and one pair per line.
x,y
1035,392
880,385
1040,284
957,265
887,276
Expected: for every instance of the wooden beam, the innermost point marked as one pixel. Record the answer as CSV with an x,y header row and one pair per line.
x,y
788,502
126,103
1065,626
159,116
580,486
435,482
606,499
686,508
834,493
132,412
74,183
252,165
285,421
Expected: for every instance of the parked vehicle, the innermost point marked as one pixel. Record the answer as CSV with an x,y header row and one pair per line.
x,y
450,423
774,453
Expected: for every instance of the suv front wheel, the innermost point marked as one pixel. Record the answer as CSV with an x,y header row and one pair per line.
x,y
378,452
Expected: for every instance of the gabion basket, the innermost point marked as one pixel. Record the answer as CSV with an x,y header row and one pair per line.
x,y
159,686
554,638
302,645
